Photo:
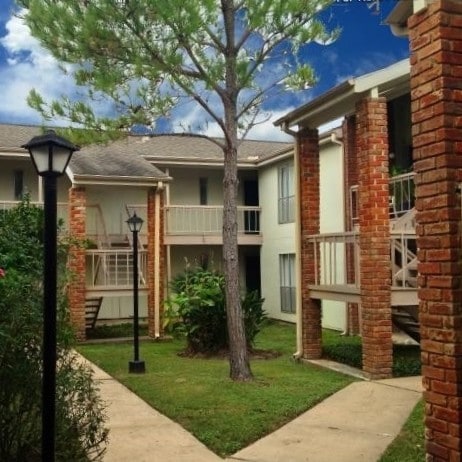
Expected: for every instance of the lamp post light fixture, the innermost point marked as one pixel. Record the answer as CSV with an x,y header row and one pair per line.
x,y
136,366
50,155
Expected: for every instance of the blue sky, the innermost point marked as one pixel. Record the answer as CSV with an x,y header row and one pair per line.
x,y
365,45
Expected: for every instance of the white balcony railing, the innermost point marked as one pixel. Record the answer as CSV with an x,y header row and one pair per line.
x,y
208,219
114,269
336,258
62,209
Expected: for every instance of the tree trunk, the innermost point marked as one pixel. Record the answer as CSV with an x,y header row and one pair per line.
x,y
238,355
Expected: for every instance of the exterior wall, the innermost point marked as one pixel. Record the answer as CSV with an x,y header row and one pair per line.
x,y
374,225
436,92
332,219
184,189
112,200
118,308
277,239
31,179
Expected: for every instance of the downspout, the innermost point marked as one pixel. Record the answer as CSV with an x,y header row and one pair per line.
x,y
334,138
160,187
298,247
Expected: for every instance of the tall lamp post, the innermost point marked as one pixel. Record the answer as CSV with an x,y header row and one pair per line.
x,y
50,155
136,366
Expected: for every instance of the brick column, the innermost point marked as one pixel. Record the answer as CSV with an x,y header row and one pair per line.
x,y
350,159
76,264
308,150
374,225
436,95
156,262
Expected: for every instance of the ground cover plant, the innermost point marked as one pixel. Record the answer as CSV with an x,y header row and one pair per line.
x,y
197,392
80,432
409,445
347,349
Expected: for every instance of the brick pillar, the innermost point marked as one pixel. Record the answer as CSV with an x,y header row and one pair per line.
x,y
76,265
308,149
374,225
350,159
436,96
156,262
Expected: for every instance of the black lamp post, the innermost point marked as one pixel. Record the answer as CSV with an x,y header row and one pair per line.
x,y
50,155
136,366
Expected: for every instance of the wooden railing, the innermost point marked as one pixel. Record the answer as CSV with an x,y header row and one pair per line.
x,y
401,195
403,259
113,269
336,259
208,219
62,209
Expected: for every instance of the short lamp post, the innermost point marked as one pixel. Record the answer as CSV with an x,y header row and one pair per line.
x,y
136,366
50,155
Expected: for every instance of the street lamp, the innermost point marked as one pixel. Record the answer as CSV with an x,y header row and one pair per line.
x,y
136,366
50,155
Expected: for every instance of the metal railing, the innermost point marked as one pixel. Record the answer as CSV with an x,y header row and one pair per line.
x,y
208,219
114,268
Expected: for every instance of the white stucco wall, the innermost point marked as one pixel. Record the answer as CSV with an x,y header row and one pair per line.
x,y
30,180
112,200
332,212
277,239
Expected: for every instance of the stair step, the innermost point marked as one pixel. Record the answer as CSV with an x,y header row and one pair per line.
x,y
92,307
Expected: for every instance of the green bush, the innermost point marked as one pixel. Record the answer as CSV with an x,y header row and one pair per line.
x,y
80,432
198,310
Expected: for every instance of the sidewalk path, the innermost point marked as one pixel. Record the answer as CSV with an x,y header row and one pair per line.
x,y
355,424
138,433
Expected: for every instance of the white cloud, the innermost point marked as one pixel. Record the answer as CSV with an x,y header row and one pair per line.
x,y
28,66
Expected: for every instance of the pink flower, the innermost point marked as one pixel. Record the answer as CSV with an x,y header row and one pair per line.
x,y
2,273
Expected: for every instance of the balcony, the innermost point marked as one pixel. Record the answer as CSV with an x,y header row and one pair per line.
x,y
111,271
203,224
62,209
337,267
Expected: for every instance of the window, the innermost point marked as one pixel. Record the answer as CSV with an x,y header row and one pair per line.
x,y
203,191
18,177
287,282
286,197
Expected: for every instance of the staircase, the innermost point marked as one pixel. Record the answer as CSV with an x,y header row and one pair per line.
x,y
92,307
406,319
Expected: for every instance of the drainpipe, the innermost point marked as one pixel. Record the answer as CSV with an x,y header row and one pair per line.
x,y
160,187
298,247
337,139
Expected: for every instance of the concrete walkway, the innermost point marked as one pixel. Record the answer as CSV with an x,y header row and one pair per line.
x,y
354,425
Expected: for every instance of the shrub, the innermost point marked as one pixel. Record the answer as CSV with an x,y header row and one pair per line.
x,y
198,310
80,432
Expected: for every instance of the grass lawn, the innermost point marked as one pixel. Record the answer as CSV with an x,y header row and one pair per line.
x,y
409,444
197,393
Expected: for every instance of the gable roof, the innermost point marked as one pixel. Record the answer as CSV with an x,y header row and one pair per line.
x,y
391,81
134,159
190,149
